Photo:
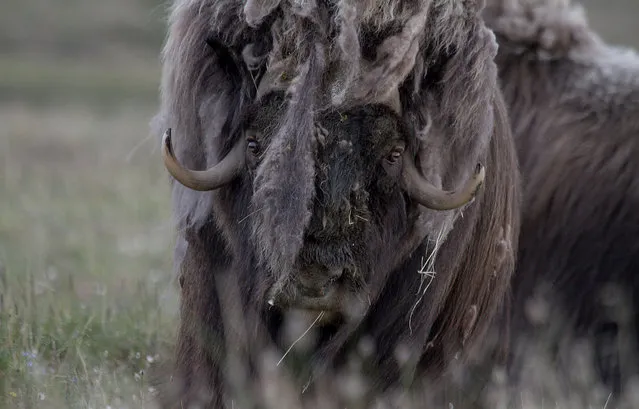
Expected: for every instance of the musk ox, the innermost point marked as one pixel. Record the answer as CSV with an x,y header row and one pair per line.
x,y
350,161
573,102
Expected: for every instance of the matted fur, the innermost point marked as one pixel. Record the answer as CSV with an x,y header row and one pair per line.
x,y
574,106
332,55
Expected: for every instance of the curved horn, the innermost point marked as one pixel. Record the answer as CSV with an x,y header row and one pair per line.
x,y
204,180
434,198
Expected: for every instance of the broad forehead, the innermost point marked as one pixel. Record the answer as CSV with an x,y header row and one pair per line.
x,y
375,123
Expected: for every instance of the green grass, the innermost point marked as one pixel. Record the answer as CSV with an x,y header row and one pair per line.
x,y
98,82
85,251
86,300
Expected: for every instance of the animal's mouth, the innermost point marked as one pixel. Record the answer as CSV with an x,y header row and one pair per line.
x,y
319,291
334,295
324,299
297,293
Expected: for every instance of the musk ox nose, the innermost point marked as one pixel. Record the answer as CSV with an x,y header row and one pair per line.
x,y
315,281
313,287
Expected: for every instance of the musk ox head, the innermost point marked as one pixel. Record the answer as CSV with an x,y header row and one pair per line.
x,y
366,189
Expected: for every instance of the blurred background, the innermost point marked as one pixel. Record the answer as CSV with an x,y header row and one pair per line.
x,y
86,303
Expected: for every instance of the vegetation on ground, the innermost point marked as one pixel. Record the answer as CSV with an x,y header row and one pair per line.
x,y
87,301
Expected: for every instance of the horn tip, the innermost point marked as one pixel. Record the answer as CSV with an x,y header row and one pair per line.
x,y
479,177
477,180
480,173
166,141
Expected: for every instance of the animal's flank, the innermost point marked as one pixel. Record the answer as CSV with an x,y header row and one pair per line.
x,y
573,105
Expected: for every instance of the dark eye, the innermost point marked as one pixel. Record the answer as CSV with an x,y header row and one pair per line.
x,y
395,155
252,145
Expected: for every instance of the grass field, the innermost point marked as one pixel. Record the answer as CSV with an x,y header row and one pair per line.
x,y
85,248
86,301
86,304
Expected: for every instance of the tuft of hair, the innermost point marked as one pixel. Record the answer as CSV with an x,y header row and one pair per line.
x,y
548,28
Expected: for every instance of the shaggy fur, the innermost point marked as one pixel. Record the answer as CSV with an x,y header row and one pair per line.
x,y
574,105
334,61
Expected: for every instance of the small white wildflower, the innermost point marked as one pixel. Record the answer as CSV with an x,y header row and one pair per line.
x,y
155,276
41,396
136,376
150,359
40,287
100,289
137,355
51,273
402,353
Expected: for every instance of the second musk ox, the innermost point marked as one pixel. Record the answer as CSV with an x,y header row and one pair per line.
x,y
573,102
349,162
